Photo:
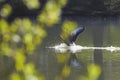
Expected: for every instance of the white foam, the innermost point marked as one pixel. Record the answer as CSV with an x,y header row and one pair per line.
x,y
77,48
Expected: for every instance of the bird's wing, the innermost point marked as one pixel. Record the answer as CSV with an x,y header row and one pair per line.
x,y
75,33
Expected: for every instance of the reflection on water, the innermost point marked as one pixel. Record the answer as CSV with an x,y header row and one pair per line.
x,y
100,32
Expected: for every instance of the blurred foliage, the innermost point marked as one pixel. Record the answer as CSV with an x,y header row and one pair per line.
x,y
94,71
22,36
61,58
15,76
6,10
66,71
17,39
67,28
32,4
50,14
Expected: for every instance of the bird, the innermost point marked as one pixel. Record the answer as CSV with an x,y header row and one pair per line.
x,y
74,34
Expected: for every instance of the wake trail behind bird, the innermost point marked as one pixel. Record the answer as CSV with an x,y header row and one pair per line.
x,y
78,48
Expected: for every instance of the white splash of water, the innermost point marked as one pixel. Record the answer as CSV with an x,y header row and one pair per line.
x,y
77,48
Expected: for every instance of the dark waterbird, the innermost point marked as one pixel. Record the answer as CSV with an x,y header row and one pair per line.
x,y
74,34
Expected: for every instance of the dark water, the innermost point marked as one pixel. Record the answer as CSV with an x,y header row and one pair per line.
x,y
100,31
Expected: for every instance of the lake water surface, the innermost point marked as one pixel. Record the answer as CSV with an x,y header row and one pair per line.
x,y
99,32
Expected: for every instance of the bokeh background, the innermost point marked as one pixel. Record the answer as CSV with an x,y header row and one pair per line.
x,y
28,27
